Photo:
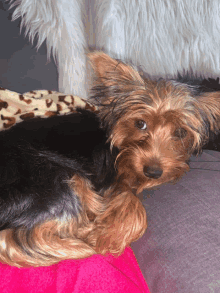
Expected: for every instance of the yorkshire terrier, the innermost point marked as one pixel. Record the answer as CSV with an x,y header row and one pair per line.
x,y
59,193
156,125
69,183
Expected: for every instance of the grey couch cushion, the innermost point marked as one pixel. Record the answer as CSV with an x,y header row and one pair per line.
x,y
180,252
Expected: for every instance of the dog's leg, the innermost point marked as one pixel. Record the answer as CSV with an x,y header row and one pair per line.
x,y
123,222
60,24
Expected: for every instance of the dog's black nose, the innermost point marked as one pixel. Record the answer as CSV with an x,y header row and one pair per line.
x,y
153,172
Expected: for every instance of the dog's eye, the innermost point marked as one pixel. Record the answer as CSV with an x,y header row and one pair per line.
x,y
180,133
141,124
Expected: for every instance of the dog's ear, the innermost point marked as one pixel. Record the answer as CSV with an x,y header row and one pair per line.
x,y
209,105
110,71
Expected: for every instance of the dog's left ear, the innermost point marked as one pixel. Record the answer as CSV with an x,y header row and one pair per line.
x,y
112,72
209,105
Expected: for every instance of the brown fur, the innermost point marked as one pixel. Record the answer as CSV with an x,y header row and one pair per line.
x,y
106,224
177,121
156,126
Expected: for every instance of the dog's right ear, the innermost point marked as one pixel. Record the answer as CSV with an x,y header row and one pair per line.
x,y
209,105
112,72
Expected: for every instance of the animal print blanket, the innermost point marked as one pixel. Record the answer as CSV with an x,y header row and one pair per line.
x,y
15,107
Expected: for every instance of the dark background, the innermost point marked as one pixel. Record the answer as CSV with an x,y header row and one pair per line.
x,y
22,67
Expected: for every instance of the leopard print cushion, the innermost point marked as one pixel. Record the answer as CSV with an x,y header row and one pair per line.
x,y
15,107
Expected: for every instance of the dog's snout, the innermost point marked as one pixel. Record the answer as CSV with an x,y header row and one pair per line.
x,y
153,172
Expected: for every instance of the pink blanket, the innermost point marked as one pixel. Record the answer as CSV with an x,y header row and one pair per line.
x,y
97,274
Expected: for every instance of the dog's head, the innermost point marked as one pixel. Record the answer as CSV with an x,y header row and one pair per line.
x,y
156,125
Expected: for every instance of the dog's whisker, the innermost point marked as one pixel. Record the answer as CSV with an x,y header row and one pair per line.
x,y
205,162
204,169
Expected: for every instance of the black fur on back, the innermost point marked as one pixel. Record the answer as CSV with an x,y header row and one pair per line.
x,y
39,156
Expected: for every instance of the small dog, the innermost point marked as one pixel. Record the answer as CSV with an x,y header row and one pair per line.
x,y
69,183
156,125
60,197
